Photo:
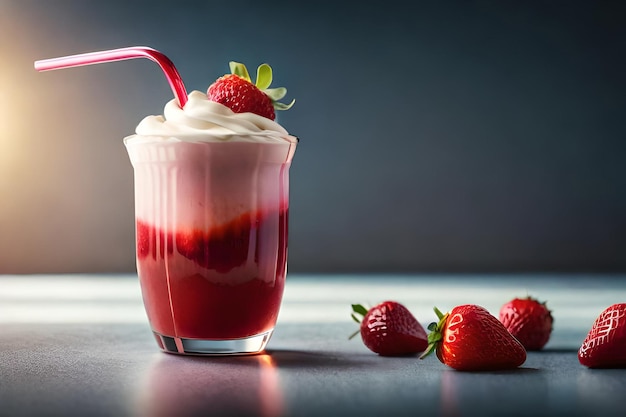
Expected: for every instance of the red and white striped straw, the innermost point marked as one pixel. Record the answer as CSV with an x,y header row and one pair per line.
x,y
121,54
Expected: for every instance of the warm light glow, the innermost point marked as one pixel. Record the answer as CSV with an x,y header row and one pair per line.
x,y
12,86
236,385
270,390
52,198
8,128
13,124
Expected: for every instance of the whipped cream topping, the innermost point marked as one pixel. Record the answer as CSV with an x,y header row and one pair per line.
x,y
202,120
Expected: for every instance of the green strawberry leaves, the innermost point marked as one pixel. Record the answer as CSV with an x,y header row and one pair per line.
x,y
360,310
239,69
276,93
283,106
358,314
264,78
435,335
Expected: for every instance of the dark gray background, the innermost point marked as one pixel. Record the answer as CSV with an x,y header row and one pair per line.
x,y
435,136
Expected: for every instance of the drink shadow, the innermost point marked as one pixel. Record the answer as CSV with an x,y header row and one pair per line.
x,y
222,386
228,385
300,359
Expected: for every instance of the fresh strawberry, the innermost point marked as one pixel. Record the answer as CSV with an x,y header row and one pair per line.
x,y
390,329
469,338
528,320
237,91
605,345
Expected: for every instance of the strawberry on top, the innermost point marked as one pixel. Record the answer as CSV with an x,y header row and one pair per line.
x,y
237,91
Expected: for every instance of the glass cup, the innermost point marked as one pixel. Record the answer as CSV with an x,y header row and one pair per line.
x,y
211,239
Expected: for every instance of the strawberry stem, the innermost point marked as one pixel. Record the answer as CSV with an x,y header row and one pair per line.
x,y
435,335
358,314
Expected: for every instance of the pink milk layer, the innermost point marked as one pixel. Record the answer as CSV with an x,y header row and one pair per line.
x,y
211,222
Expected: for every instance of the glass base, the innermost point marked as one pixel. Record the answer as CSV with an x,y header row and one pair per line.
x,y
222,347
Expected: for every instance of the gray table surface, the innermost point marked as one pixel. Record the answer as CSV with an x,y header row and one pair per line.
x,y
81,345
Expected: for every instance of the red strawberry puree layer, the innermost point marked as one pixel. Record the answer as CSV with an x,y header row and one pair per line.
x,y
225,282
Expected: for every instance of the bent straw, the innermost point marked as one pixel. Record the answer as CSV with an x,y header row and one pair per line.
x,y
121,54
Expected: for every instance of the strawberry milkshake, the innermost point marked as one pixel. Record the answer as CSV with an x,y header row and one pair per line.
x,y
211,205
